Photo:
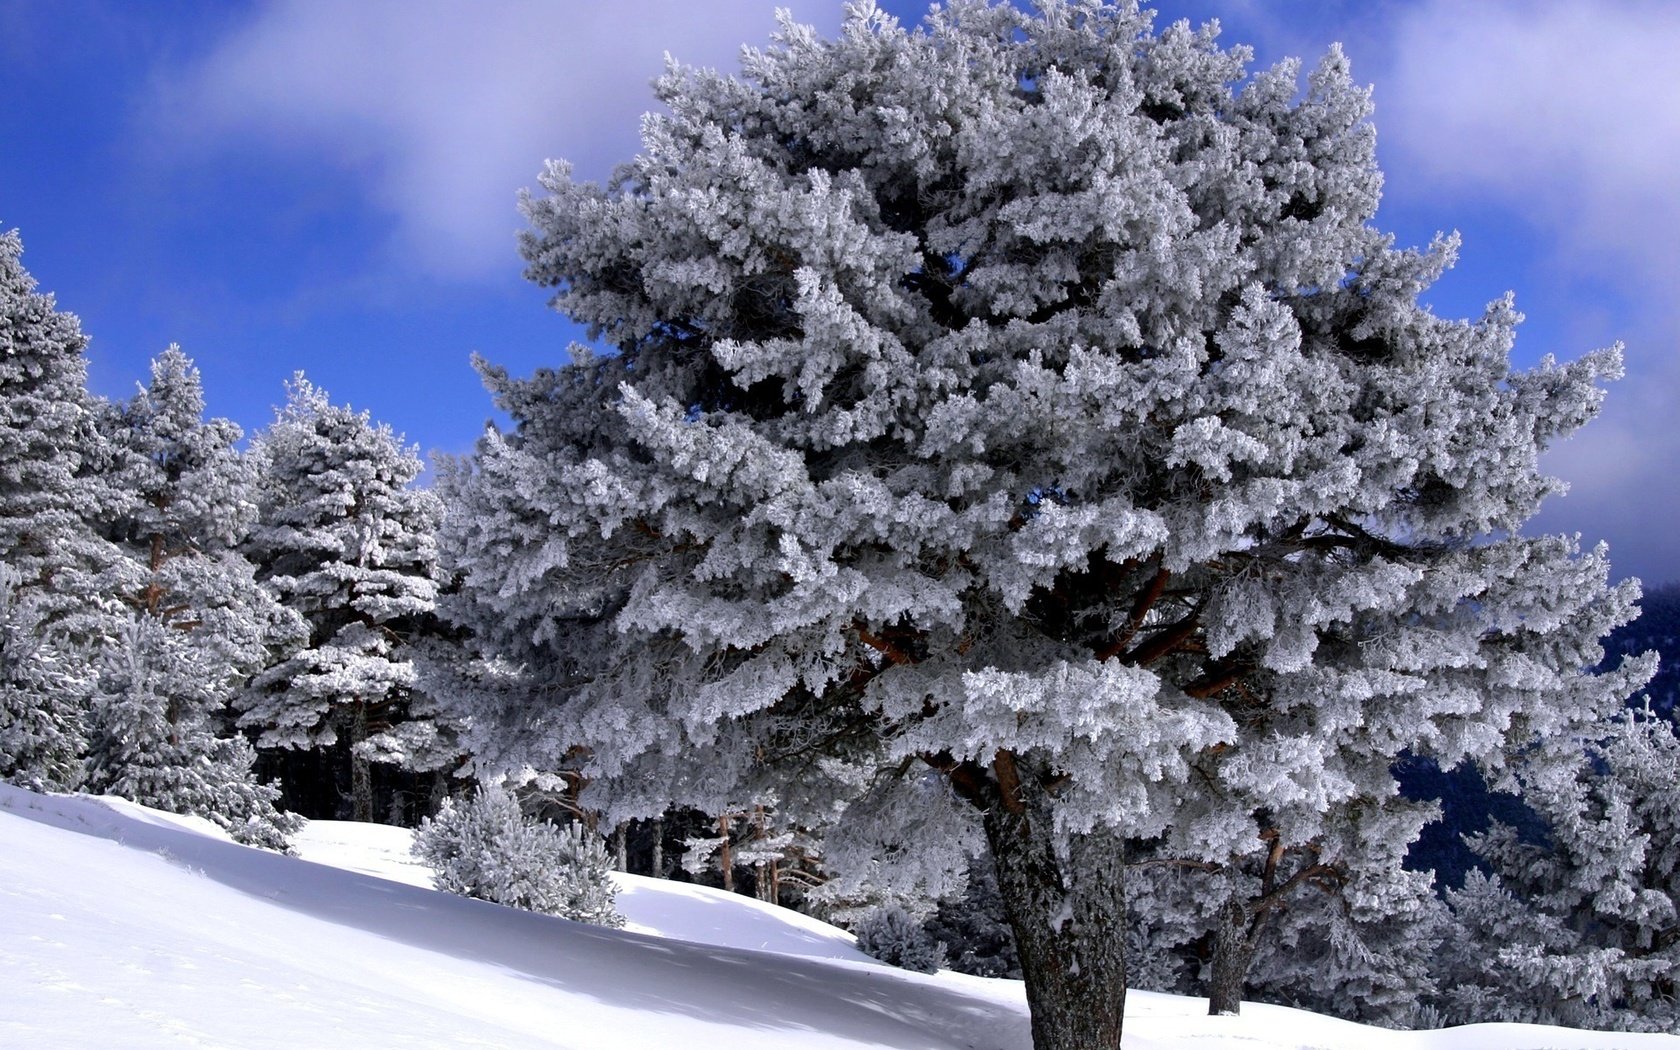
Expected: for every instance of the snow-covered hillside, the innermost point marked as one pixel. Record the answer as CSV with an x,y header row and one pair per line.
x,y
123,927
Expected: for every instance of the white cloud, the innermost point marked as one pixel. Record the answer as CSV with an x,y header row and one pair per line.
x,y
1567,116
448,108
1568,112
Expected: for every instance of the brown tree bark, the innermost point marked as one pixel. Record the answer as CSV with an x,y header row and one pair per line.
x,y
1234,941
726,859
1069,921
1243,921
361,770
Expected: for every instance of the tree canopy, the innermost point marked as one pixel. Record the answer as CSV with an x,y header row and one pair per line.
x,y
1020,426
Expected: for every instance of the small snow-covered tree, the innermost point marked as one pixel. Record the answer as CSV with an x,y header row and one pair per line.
x,y
345,540
1582,929
897,938
1030,404
42,697
587,891
156,745
485,847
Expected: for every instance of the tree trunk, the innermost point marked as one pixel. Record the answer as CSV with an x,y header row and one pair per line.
x,y
440,791
361,770
1234,940
726,860
1243,921
764,872
1069,918
658,871
621,847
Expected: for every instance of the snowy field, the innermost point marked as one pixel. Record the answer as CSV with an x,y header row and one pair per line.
x,y
124,927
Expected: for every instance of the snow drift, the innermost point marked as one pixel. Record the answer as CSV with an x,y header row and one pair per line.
x,y
121,926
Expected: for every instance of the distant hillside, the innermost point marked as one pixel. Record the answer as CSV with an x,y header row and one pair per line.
x,y
1658,628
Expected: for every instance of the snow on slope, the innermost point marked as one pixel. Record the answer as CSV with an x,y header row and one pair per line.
x,y
675,910
121,927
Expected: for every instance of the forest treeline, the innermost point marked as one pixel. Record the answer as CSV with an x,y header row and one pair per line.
x,y
250,632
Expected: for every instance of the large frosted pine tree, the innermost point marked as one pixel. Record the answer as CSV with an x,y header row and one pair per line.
x,y
201,624
345,540
56,608
1019,424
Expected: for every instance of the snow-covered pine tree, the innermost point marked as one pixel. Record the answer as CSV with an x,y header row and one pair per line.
x,y
897,938
1339,929
1365,948
756,839
1361,849
1582,929
52,457
486,847
163,731
42,697
1026,403
345,540
157,743
53,485
587,892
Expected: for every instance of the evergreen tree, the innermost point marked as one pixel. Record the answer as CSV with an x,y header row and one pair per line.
x,y
343,539
1581,929
202,625
1350,934
42,697
895,937
1468,804
56,579
54,466
1365,950
485,847
1027,403
587,891
194,506
158,745
1360,852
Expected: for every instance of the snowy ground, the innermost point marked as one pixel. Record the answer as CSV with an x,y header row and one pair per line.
x,y
123,927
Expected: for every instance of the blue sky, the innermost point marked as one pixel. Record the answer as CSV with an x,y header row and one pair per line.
x,y
306,184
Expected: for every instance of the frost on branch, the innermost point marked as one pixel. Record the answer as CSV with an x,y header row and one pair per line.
x,y
485,847
1587,924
